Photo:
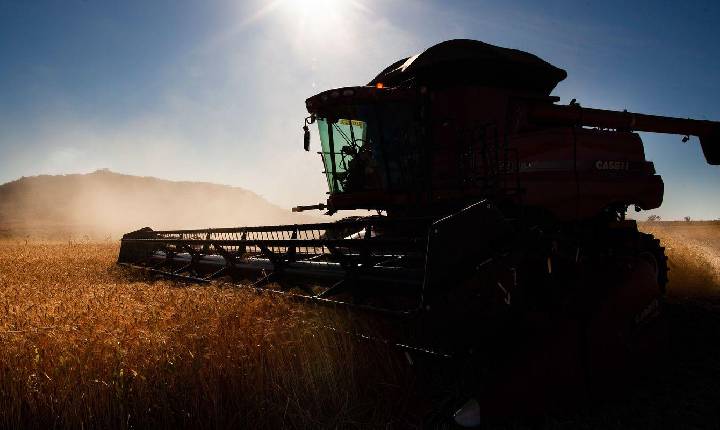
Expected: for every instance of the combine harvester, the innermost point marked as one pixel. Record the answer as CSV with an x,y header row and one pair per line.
x,y
500,240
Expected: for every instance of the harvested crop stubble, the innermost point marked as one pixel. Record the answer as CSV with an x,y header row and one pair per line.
x,y
87,344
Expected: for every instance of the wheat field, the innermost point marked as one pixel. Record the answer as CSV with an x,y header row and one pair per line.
x,y
87,344
693,249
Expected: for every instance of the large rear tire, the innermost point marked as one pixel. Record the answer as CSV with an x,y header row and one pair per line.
x,y
625,330
654,252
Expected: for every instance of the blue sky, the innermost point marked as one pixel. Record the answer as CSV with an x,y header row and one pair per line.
x,y
214,90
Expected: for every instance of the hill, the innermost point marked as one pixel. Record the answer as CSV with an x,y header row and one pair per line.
x,y
105,203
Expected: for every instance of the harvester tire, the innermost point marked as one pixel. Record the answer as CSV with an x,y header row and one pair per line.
x,y
654,252
625,331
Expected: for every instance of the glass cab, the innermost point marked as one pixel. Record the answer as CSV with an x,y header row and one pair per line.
x,y
370,146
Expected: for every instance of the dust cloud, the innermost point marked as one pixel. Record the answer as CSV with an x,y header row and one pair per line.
x,y
105,204
693,250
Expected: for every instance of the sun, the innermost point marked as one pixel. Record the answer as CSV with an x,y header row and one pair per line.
x,y
318,14
318,22
319,8
317,11
311,24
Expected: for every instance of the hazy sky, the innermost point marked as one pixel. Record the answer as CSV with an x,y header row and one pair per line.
x,y
214,90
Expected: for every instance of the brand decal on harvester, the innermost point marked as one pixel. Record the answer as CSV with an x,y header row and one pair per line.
x,y
612,165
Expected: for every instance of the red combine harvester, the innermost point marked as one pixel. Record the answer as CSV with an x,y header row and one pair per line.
x,y
500,237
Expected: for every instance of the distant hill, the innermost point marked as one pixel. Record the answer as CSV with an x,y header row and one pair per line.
x,y
105,203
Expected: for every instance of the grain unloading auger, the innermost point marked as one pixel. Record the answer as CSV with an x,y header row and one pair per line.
x,y
502,235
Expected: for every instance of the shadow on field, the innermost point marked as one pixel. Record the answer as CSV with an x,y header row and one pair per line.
x,y
681,388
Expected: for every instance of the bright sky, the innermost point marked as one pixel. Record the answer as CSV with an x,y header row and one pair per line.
x,y
214,91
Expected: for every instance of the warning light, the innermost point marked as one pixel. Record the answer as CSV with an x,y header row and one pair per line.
x,y
379,85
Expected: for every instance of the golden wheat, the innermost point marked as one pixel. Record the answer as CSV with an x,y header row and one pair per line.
x,y
86,344
693,251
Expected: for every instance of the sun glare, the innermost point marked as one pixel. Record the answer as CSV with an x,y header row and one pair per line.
x,y
327,23
315,7
319,21
320,14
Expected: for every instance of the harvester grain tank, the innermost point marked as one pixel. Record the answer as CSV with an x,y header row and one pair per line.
x,y
501,230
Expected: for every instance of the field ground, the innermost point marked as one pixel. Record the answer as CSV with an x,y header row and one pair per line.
x,y
694,251
86,344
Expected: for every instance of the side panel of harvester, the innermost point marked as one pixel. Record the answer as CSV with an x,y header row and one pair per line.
x,y
571,172
576,172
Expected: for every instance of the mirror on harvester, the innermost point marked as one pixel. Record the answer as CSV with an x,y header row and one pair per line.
x,y
306,137
306,130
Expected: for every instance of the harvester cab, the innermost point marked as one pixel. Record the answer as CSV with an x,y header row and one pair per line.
x,y
501,231
370,143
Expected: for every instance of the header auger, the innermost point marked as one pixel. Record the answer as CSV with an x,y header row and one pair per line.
x,y
501,231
